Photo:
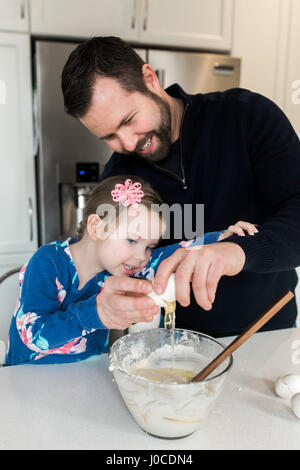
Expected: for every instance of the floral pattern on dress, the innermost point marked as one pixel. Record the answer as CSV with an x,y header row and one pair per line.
x,y
20,282
26,321
61,293
38,343
21,275
148,272
69,348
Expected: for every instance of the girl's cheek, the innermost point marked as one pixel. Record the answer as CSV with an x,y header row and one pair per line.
x,y
147,258
119,250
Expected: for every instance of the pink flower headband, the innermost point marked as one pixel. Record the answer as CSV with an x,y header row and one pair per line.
x,y
128,193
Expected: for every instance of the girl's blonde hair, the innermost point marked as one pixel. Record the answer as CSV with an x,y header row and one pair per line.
x,y
102,195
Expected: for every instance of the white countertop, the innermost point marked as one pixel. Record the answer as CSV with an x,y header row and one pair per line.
x,y
78,406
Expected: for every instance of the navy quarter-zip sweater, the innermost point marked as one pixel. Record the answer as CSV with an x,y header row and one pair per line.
x,y
240,157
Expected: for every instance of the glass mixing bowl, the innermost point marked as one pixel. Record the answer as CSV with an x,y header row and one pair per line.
x,y
167,410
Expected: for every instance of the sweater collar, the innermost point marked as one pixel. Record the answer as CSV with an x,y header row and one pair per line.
x,y
176,91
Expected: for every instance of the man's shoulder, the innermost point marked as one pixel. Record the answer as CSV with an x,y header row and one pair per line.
x,y
230,95
234,101
239,94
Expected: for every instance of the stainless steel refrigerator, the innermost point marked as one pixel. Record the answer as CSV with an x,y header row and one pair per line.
x,y
69,159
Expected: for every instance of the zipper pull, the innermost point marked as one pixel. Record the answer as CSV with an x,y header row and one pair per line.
x,y
184,185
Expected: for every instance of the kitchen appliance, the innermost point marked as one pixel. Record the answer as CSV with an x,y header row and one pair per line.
x,y
76,182
63,143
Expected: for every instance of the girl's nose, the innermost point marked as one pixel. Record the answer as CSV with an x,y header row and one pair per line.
x,y
140,255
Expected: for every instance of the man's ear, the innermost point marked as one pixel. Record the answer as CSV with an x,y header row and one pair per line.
x,y
150,79
92,226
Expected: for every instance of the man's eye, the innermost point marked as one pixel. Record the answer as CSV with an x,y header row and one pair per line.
x,y
150,248
129,120
131,242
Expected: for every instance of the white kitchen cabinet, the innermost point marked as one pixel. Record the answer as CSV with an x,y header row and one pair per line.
x,y
14,15
84,18
18,232
197,24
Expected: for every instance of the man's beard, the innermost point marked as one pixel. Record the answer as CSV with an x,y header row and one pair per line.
x,y
162,134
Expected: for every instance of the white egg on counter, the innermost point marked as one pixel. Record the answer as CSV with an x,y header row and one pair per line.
x,y
295,404
167,296
287,386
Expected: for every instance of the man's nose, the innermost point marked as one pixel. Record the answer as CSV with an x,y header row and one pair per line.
x,y
129,140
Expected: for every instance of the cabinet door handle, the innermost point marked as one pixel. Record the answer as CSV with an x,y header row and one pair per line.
x,y
133,19
223,69
30,212
22,9
145,22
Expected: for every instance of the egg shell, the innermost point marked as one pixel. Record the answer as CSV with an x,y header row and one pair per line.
x,y
295,404
287,386
167,296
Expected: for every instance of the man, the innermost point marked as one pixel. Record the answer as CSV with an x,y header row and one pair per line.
x,y
235,152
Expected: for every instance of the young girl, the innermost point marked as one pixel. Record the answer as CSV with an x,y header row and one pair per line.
x,y
57,318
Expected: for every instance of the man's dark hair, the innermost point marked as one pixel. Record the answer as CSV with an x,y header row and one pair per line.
x,y
99,57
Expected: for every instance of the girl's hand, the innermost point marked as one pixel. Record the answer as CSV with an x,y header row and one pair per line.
x,y
238,229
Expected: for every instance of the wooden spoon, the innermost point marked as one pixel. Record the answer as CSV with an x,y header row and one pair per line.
x,y
246,334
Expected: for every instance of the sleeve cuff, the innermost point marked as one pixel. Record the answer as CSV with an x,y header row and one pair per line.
x,y
88,316
212,237
258,251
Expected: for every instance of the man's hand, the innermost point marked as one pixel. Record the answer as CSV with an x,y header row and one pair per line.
x,y
123,301
203,266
